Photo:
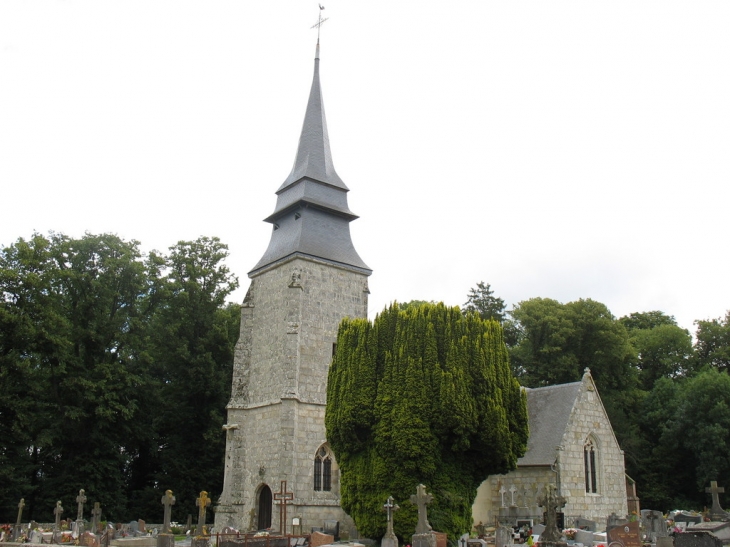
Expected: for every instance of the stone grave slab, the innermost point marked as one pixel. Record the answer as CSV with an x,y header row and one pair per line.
x,y
148,541
585,537
697,539
718,529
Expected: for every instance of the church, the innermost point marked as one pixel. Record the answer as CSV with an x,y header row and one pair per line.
x,y
572,446
310,278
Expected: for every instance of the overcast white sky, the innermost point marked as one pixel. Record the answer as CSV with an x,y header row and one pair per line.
x,y
562,149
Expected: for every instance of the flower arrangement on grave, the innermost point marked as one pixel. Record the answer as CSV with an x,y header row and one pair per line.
x,y
569,533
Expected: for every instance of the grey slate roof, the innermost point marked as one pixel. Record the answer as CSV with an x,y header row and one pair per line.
x,y
314,158
311,217
548,410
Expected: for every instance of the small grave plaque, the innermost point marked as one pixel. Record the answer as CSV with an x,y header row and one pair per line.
x,y
626,535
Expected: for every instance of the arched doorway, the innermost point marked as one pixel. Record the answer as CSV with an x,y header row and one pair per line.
x,y
264,509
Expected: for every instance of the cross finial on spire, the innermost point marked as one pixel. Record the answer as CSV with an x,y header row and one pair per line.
x,y
319,22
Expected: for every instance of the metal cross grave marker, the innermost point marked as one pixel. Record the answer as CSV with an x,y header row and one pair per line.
x,y
284,498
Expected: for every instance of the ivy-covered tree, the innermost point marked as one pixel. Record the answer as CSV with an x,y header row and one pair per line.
x,y
421,395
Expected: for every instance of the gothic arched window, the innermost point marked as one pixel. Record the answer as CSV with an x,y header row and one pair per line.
x,y
591,469
323,470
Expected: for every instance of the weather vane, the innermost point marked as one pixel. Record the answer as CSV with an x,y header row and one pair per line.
x,y
318,24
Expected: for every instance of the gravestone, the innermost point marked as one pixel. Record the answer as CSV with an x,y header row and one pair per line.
x,y
502,536
16,528
720,530
166,539
423,536
538,529
585,537
654,524
284,498
696,539
332,527
80,501
189,525
551,502
142,526
88,539
202,503
614,520
133,528
586,524
390,539
502,492
512,490
717,512
36,536
626,535
686,518
95,516
58,511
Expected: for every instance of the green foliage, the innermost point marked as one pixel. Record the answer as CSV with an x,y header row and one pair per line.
x,y
556,342
481,300
84,326
421,395
713,343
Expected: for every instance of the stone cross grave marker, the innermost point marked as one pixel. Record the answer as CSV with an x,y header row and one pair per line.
x,y
168,500
551,502
58,511
653,524
16,528
502,492
202,503
284,498
422,499
95,517
80,500
717,512
390,539
512,490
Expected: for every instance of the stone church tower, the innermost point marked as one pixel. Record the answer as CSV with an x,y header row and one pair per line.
x,y
308,280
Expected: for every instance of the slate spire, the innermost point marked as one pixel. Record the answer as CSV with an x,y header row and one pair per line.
x,y
311,217
314,158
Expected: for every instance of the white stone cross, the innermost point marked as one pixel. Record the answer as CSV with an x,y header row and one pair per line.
x,y
502,492
512,490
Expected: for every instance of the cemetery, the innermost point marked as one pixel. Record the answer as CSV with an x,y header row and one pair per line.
x,y
647,528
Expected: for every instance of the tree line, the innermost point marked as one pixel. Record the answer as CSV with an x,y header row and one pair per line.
x,y
667,396
115,372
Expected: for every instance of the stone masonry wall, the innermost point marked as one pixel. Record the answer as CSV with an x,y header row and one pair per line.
x,y
275,424
589,419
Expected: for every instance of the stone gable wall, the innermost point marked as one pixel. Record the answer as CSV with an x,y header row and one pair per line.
x,y
589,418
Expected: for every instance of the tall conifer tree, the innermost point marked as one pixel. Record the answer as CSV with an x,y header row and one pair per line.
x,y
421,395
